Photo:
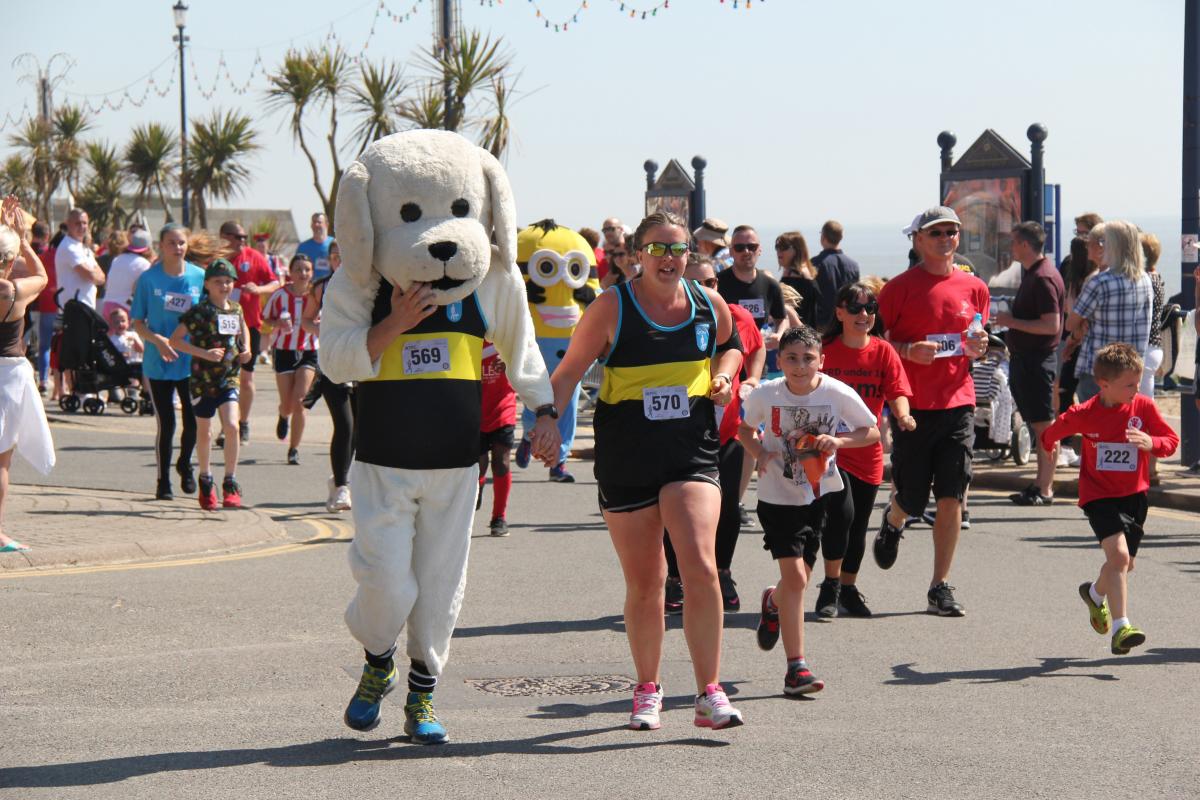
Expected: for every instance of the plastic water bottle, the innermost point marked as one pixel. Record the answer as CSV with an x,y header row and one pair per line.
x,y
974,330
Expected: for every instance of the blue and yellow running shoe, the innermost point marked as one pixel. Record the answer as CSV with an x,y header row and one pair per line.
x,y
420,722
363,712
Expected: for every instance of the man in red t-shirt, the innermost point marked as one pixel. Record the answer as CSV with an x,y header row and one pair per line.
x,y
496,427
1120,429
926,312
255,281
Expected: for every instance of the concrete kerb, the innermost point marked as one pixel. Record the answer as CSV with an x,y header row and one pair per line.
x,y
154,530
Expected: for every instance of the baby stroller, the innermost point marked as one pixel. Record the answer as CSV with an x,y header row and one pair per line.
x,y
999,429
97,364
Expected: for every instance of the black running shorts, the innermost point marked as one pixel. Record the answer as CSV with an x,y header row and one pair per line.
x,y
255,349
936,454
792,531
614,498
504,436
1109,516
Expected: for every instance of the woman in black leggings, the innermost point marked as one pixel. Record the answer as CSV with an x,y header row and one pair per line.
x,y
162,294
339,398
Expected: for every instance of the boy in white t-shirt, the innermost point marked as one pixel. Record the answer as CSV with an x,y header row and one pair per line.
x,y
805,417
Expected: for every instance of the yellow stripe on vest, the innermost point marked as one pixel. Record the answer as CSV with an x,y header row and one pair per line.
x,y
626,383
465,358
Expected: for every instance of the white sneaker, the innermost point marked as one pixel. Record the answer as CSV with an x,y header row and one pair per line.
x,y
713,709
339,498
1072,457
647,703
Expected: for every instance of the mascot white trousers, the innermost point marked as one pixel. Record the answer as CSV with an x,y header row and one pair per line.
x,y
412,533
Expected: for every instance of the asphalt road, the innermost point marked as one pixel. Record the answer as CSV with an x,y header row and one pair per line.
x,y
227,678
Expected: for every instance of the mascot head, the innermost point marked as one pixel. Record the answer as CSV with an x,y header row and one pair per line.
x,y
557,263
425,206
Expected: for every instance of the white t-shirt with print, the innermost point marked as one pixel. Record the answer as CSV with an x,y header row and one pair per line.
x,y
832,408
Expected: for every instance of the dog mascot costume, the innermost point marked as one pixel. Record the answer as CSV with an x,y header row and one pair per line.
x,y
560,276
422,207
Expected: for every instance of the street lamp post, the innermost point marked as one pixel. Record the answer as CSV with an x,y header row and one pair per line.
x,y
1189,450
180,21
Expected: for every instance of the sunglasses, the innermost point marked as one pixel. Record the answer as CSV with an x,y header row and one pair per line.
x,y
781,246
608,228
241,237
660,249
742,247
937,233
870,307
709,282
616,253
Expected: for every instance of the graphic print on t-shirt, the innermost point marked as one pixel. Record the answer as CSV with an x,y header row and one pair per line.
x,y
798,428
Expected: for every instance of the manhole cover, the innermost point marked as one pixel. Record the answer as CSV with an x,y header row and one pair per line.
x,y
554,685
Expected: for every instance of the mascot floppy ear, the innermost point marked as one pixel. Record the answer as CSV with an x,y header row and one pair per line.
x,y
355,232
504,209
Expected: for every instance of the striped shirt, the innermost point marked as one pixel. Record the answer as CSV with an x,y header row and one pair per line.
x,y
281,302
1117,310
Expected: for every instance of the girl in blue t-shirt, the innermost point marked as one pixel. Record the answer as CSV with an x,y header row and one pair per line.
x,y
161,295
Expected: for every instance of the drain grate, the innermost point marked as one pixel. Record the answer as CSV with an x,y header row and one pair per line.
x,y
553,685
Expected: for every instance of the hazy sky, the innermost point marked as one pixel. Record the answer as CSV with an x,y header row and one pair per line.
x,y
804,110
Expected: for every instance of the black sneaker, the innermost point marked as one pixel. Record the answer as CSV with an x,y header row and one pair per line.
x,y
293,457
929,517
942,602
187,478
853,602
244,432
674,595
164,491
768,622
800,680
281,428
966,520
220,442
827,598
498,527
1029,496
729,593
744,516
887,544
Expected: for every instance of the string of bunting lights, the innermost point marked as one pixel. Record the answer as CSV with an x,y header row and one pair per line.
x,y
223,75
634,11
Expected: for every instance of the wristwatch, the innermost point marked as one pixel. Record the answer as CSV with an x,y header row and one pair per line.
x,y
548,410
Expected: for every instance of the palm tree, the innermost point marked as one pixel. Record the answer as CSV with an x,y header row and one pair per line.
x,y
69,126
36,138
377,99
16,177
220,146
332,70
150,159
470,64
426,109
293,89
101,194
497,128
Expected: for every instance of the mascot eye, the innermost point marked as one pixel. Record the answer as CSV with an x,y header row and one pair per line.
x,y
410,212
460,208
543,268
577,270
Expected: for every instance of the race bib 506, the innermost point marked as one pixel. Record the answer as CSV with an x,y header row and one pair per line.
x,y
949,344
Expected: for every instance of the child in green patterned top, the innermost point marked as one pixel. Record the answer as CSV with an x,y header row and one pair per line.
x,y
214,333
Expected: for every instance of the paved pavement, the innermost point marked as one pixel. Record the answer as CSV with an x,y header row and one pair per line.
x,y
82,525
225,675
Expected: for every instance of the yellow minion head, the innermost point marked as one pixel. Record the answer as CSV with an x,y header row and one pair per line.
x,y
559,268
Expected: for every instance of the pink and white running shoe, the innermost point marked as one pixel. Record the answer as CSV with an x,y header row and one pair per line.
x,y
713,709
647,703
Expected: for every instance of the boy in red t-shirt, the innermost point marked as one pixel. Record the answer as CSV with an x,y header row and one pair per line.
x,y
1119,427
496,428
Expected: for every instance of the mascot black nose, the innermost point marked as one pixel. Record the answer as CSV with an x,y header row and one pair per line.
x,y
443,251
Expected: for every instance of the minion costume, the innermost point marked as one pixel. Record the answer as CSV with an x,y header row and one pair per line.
x,y
559,267
420,207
